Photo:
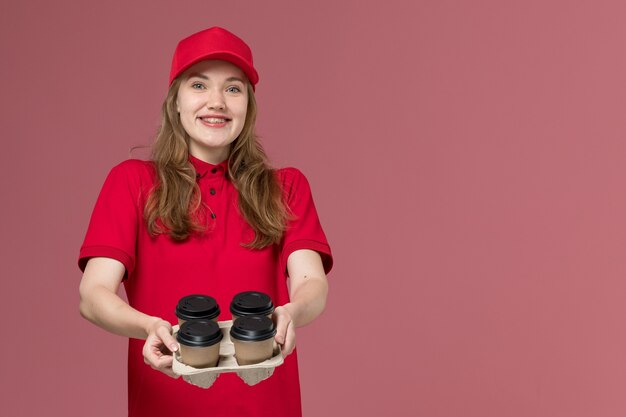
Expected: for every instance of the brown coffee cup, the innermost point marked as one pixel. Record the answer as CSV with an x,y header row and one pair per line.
x,y
197,307
253,339
251,303
199,343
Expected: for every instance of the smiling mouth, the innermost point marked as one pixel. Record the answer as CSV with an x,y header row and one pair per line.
x,y
213,120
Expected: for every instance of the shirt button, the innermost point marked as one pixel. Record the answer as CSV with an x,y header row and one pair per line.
x,y
212,191
213,215
214,170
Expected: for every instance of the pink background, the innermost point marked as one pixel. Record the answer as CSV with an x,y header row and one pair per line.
x,y
467,159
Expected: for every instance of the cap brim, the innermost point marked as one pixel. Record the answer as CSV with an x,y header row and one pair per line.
x,y
228,56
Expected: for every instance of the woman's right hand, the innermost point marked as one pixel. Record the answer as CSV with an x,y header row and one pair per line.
x,y
157,351
100,304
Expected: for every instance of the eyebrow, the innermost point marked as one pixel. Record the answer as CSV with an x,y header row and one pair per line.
x,y
204,77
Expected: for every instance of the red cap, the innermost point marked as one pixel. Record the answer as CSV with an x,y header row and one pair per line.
x,y
213,43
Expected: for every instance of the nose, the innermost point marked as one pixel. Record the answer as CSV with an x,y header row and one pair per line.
x,y
215,100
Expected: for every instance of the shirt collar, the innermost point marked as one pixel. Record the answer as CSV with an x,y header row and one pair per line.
x,y
204,168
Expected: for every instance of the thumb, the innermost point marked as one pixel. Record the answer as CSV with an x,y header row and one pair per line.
x,y
166,337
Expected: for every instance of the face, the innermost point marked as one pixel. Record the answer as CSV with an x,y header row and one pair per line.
x,y
212,102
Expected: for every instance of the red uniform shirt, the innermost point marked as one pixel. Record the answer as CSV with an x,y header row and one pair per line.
x,y
160,271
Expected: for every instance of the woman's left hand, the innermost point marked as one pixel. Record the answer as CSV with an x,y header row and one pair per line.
x,y
307,291
285,329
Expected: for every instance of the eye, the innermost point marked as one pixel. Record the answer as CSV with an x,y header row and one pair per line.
x,y
197,86
233,89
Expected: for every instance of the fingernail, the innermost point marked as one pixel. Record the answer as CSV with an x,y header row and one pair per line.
x,y
173,347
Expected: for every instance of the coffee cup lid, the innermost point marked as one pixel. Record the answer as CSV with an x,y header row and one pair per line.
x,y
199,333
197,306
253,328
251,303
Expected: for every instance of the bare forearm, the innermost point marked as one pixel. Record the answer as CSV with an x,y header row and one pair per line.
x,y
107,310
308,301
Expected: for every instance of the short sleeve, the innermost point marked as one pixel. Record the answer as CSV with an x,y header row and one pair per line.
x,y
304,230
112,231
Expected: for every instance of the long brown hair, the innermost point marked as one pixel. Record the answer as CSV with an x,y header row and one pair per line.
x,y
174,205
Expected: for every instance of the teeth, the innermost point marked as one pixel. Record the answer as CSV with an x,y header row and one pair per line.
x,y
213,120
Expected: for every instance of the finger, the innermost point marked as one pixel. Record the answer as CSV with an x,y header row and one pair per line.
x,y
170,373
290,340
281,327
150,350
164,364
166,337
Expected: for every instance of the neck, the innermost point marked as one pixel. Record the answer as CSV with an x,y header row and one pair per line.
x,y
211,156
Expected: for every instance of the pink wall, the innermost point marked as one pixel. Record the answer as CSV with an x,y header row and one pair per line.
x,y
468,164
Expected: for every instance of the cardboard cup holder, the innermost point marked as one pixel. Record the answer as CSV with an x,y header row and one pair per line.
x,y
205,377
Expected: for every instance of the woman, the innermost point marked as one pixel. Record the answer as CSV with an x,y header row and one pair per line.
x,y
206,215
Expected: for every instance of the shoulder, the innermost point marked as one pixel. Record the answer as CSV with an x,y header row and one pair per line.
x,y
289,174
134,168
133,173
293,182
291,178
